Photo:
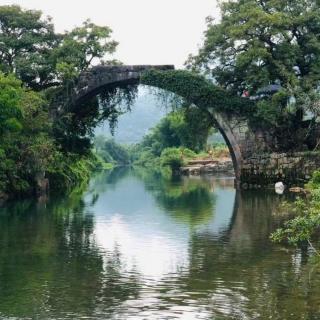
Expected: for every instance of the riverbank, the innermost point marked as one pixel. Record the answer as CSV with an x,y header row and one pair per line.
x,y
208,166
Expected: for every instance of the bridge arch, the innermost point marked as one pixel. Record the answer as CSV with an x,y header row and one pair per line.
x,y
199,92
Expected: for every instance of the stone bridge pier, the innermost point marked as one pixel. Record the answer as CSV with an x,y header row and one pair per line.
x,y
255,162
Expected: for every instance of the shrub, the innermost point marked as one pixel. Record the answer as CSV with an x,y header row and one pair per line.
x,y
306,225
172,157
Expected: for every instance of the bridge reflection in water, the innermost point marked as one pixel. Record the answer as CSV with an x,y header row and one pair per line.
x,y
139,246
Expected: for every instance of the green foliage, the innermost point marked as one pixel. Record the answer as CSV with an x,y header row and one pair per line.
x,y
257,43
191,125
314,183
260,42
41,58
27,148
187,153
172,157
26,44
25,144
175,158
195,89
31,146
111,152
68,170
144,157
184,132
10,98
188,127
81,47
305,226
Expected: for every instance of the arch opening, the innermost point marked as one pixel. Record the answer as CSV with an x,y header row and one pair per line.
x,y
103,78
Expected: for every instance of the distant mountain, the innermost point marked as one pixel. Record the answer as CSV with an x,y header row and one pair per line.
x,y
145,114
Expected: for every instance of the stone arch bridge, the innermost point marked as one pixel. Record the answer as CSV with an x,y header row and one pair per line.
x,y
254,161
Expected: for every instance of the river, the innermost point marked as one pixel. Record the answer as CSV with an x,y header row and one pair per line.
x,y
136,245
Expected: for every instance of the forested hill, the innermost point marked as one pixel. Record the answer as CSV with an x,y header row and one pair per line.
x,y
146,113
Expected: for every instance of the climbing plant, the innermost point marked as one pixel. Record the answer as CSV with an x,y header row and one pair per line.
x,y
288,131
196,89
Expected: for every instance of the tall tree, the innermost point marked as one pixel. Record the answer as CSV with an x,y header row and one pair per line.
x,y
83,46
261,42
187,127
26,43
41,58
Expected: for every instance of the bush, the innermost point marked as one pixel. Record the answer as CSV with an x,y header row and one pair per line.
x,y
306,225
70,170
172,157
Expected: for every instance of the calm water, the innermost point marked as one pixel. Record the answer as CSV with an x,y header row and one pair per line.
x,y
138,246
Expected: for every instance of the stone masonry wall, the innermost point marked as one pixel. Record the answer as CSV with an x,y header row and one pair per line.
x,y
258,162
290,168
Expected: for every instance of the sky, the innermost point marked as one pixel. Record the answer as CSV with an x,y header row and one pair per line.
x,y
149,31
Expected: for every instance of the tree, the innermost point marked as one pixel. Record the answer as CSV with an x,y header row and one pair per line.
x,y
10,97
26,147
188,127
41,58
112,152
261,42
81,47
26,43
198,126
33,58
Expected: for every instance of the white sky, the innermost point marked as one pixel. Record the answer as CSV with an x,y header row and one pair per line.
x,y
149,31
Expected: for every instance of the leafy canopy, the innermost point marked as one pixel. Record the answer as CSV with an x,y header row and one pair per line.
x,y
26,44
261,42
25,145
181,128
11,95
81,47
41,58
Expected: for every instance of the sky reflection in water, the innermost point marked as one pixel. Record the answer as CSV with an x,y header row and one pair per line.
x,y
139,246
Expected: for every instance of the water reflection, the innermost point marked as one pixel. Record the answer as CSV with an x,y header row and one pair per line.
x,y
139,246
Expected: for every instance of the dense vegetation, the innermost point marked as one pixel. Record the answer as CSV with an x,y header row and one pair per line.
x,y
179,136
255,44
111,153
42,143
304,227
260,43
34,63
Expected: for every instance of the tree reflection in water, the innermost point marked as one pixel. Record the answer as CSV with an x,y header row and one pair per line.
x,y
139,246
50,265
189,200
